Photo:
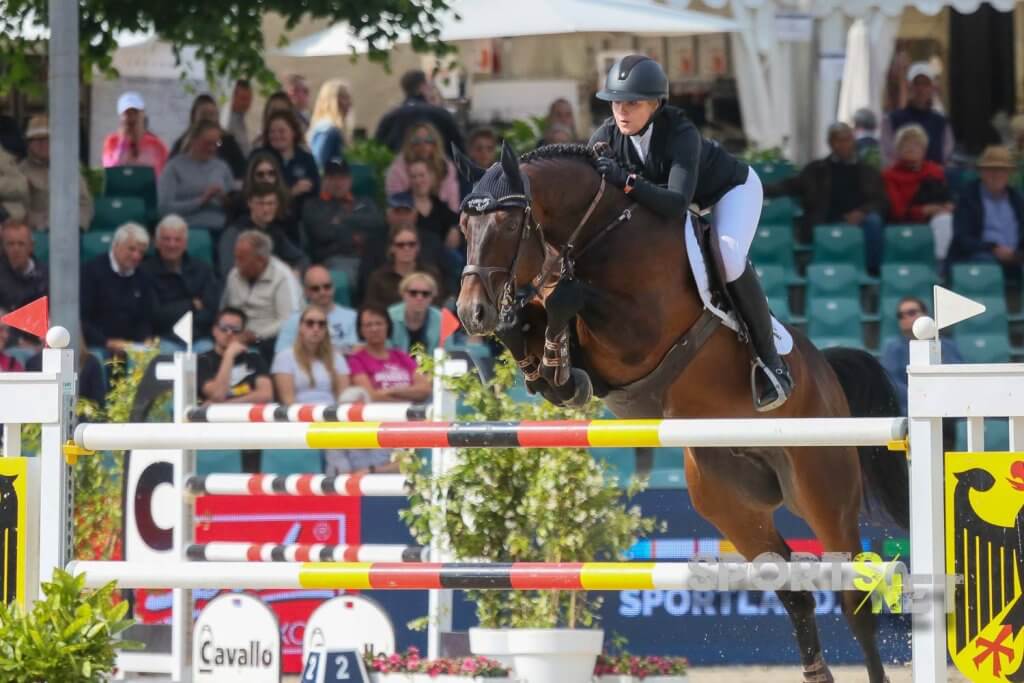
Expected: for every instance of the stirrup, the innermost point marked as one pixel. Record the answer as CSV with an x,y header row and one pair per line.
x,y
781,395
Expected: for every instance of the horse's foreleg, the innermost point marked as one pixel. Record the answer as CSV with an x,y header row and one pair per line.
x,y
563,304
519,334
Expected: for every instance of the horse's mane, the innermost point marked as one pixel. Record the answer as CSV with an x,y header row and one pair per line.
x,y
562,151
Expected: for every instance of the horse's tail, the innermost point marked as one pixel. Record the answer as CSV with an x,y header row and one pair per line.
x,y
870,394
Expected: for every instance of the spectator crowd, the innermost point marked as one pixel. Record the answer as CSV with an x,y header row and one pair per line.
x,y
304,289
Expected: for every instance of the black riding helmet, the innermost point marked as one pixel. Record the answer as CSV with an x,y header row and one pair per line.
x,y
635,77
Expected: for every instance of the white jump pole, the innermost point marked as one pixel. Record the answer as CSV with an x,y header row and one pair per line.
x,y
659,433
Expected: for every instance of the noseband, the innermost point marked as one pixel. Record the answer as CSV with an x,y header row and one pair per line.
x,y
566,257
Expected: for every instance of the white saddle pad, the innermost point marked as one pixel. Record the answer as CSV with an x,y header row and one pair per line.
x,y
783,339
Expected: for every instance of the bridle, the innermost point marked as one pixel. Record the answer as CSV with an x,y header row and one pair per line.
x,y
567,256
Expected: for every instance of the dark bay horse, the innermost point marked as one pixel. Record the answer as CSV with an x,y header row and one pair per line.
x,y
638,299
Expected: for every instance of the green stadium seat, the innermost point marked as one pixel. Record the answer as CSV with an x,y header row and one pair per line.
x,y
113,212
848,342
826,280
292,461
773,245
342,288
779,210
773,171
992,322
779,307
834,317
975,280
907,279
667,469
41,246
890,324
773,280
839,243
997,434
200,246
131,181
364,181
218,462
95,243
909,244
984,348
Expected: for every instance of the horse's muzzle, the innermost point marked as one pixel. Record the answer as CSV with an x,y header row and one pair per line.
x,y
477,315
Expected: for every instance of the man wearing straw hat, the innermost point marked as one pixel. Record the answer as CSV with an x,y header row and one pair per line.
x,y
36,167
989,216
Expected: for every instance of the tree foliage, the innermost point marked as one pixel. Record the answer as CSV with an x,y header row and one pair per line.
x,y
226,34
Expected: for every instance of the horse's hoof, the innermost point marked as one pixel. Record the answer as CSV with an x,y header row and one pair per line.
x,y
584,389
817,671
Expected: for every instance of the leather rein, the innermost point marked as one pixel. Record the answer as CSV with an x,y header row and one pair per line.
x,y
566,261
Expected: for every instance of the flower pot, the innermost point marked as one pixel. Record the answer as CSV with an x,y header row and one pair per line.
x,y
451,678
491,643
614,678
677,678
391,678
626,678
555,655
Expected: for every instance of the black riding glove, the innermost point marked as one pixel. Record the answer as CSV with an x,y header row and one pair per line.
x,y
611,170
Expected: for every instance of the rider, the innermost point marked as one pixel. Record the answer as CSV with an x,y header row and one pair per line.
x,y
662,161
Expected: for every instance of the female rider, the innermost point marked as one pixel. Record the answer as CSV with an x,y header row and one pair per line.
x,y
662,162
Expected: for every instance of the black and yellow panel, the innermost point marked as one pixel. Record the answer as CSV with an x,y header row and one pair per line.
x,y
13,531
985,546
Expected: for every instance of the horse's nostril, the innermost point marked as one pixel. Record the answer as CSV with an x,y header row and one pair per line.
x,y
479,313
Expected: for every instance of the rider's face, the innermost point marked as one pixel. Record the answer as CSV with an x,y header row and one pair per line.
x,y
632,115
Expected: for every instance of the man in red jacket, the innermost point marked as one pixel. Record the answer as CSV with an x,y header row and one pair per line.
x,y
917,188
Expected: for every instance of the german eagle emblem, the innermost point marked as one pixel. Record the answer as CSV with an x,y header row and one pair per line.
x,y
985,546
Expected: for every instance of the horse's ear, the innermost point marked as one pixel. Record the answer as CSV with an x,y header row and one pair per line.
x,y
510,166
465,166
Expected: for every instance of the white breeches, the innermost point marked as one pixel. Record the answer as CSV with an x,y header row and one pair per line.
x,y
735,217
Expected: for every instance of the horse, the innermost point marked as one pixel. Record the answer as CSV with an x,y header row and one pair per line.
x,y
635,299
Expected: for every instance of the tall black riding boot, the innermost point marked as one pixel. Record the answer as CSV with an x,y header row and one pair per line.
x,y
770,378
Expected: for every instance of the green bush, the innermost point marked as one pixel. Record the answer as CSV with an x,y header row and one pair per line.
x,y
70,636
523,505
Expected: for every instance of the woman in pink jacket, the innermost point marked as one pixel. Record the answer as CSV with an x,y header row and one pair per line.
x,y
131,144
423,143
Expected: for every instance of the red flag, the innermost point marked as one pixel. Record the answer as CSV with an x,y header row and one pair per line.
x,y
449,324
33,318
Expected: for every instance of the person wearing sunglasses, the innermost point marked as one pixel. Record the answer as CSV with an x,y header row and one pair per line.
x,y
231,372
404,258
415,321
311,370
423,143
896,351
318,288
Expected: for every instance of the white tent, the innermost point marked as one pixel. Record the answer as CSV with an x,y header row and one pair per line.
x,y
482,19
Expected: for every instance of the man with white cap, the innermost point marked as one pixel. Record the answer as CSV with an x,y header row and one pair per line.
x,y
132,144
36,167
920,110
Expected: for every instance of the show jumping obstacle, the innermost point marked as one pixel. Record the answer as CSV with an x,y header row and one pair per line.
x,y
848,431
493,576
366,485
301,412
227,551
935,392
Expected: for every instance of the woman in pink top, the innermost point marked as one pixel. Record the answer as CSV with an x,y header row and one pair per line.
x,y
132,144
423,143
386,374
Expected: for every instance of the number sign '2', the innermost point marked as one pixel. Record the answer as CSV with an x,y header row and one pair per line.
x,y
331,666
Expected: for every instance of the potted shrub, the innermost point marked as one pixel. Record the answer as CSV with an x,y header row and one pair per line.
x,y
526,505
70,636
627,668
411,668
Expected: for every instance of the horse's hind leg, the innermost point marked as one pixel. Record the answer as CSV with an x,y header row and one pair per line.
x,y
739,496
832,512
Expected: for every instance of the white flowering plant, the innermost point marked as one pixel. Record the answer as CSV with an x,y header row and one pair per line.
x,y
523,505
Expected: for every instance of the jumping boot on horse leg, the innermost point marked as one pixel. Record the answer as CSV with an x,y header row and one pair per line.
x,y
770,378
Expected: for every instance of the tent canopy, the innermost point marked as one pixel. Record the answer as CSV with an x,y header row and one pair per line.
x,y
483,19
